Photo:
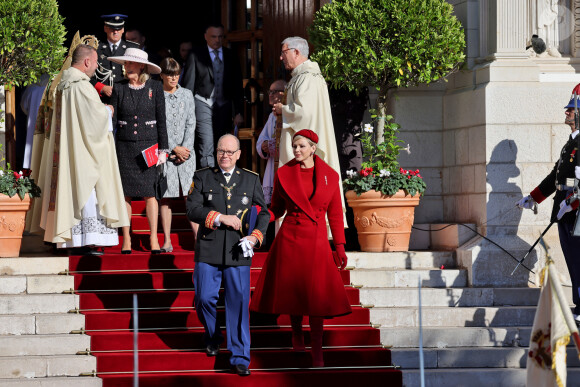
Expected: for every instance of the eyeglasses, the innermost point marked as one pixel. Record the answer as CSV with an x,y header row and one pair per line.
x,y
286,50
272,92
221,152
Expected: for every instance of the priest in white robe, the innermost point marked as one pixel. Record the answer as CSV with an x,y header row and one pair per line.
x,y
306,105
82,196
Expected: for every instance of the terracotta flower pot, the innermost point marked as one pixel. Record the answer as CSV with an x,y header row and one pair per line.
x,y
383,222
12,220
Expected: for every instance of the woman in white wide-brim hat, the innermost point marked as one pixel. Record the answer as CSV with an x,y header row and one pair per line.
x,y
139,121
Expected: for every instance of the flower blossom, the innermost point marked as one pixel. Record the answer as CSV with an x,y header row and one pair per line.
x,y
366,171
351,173
384,173
18,175
1,172
368,128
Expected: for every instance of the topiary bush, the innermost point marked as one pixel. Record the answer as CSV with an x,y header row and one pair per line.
x,y
31,40
386,44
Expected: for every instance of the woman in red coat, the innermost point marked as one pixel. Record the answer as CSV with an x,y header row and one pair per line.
x,y
300,276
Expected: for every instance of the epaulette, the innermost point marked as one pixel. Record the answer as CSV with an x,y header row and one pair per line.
x,y
201,169
255,173
130,41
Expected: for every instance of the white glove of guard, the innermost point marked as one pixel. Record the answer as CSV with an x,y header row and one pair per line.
x,y
526,202
577,172
564,207
247,247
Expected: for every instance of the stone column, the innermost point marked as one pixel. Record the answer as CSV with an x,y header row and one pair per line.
x,y
504,28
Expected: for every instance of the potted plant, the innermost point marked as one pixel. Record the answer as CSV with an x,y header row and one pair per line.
x,y
385,45
16,190
32,34
382,194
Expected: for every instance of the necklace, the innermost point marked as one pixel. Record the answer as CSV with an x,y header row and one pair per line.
x,y
229,189
136,87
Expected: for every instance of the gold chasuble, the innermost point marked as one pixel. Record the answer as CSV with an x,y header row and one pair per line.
x,y
79,157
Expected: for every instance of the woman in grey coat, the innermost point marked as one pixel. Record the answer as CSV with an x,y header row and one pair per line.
x,y
180,113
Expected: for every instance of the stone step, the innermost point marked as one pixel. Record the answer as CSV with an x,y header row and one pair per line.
x,y
13,367
35,284
38,303
401,260
40,345
53,382
475,377
489,357
36,265
409,278
444,337
393,297
505,316
40,324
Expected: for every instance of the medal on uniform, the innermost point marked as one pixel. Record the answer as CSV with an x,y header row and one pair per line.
x,y
245,200
572,154
228,189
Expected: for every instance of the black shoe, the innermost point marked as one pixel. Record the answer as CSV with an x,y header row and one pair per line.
x,y
156,251
241,370
126,251
212,349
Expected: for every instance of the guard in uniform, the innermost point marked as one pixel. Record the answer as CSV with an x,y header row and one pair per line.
x,y
564,211
218,199
108,73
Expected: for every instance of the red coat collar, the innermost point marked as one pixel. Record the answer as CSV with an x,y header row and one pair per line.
x,y
289,176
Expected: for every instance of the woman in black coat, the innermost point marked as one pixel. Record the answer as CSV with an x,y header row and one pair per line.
x,y
139,119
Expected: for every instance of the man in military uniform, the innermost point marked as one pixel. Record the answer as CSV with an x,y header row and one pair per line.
x,y
108,72
561,181
217,199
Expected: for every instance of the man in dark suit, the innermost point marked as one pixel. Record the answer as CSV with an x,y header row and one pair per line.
x,y
212,73
217,199
108,73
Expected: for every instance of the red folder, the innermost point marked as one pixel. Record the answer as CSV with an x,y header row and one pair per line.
x,y
151,155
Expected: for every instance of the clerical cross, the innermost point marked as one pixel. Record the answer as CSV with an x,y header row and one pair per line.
x,y
229,189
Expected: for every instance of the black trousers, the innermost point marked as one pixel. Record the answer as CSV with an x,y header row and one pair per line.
x,y
571,248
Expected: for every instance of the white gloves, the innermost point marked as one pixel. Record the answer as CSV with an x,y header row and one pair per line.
x,y
577,172
526,202
247,247
564,207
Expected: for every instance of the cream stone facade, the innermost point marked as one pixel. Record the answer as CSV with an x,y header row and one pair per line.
x,y
492,132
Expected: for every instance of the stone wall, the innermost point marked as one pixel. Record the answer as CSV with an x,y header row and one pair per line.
x,y
489,135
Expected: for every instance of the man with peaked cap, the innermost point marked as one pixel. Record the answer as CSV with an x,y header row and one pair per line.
x,y
564,211
108,73
218,199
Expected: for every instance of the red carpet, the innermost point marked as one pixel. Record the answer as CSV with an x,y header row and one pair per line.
x,y
171,352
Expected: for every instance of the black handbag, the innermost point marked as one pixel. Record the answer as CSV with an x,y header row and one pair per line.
x,y
161,183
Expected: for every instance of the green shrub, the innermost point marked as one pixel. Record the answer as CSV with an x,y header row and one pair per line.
x,y
31,40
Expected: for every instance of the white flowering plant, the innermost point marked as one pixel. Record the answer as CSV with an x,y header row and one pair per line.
x,y
12,182
380,169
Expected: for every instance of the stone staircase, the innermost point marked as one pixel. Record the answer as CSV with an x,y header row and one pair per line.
x,y
471,336
36,347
